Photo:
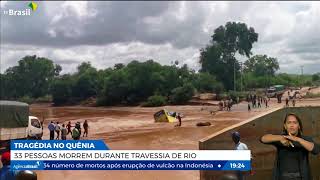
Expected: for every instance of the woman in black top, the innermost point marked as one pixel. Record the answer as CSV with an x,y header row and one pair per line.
x,y
293,148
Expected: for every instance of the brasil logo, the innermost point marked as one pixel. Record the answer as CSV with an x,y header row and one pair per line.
x,y
33,6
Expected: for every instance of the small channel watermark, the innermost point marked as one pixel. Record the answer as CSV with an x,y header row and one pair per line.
x,y
22,12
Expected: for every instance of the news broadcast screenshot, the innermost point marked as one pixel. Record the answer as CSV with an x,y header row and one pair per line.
x,y
160,90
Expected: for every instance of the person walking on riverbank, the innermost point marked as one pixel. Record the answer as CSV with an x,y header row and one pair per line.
x,y
76,132
58,128
51,128
69,128
63,132
86,128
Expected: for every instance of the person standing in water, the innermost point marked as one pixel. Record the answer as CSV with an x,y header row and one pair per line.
x,y
179,119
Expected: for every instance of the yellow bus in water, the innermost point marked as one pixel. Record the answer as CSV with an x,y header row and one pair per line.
x,y
165,116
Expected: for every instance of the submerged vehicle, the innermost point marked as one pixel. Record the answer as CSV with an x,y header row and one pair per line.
x,y
165,116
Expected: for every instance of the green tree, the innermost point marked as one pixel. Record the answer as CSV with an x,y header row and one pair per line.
x,y
119,66
206,82
84,67
285,79
261,65
218,58
32,77
86,85
142,85
154,101
137,81
167,79
315,77
86,81
3,82
116,88
102,76
182,95
61,90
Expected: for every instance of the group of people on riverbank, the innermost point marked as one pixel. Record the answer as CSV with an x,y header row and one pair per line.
x,y
226,105
292,96
256,101
63,130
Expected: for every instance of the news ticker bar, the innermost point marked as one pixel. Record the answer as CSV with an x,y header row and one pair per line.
x,y
152,155
132,165
58,145
95,155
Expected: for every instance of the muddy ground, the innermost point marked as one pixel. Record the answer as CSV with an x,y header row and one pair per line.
x,y
130,128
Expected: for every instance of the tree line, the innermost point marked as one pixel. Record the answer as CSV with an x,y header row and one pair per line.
x,y
130,84
150,83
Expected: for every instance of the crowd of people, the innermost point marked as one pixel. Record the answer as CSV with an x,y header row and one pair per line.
x,y
253,100
58,131
256,101
226,105
292,96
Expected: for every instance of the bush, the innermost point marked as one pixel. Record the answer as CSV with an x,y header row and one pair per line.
x,y
218,87
44,99
205,82
308,83
316,83
222,96
154,101
233,95
85,85
311,95
61,92
182,94
27,99
100,100
316,77
116,89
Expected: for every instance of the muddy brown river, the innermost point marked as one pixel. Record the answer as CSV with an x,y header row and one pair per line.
x,y
128,128
133,128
